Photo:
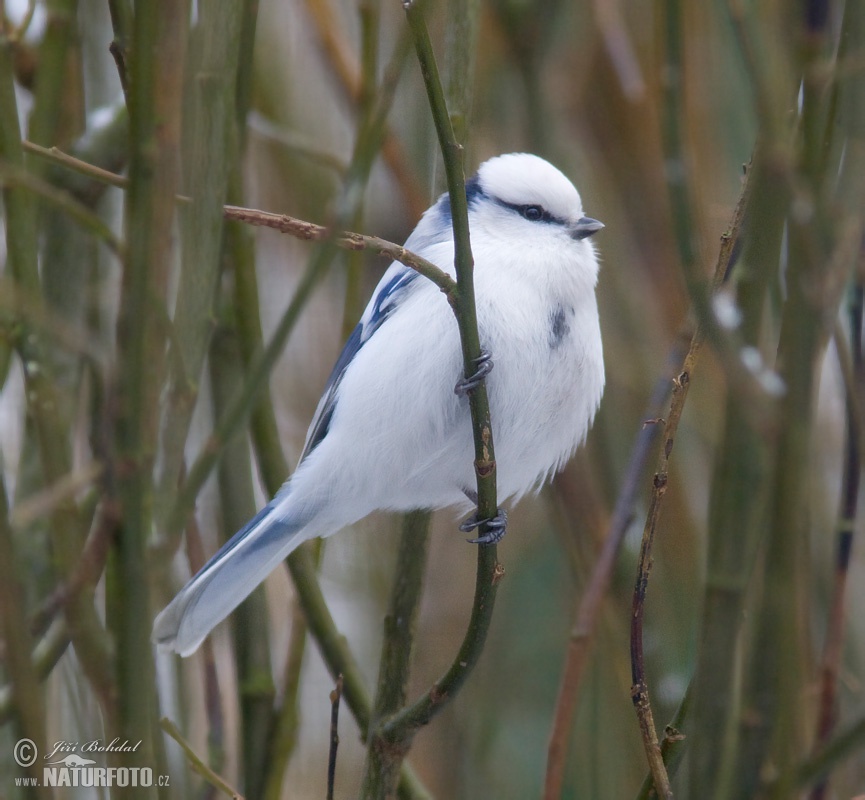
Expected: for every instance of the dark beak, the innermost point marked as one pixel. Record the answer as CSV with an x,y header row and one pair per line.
x,y
585,227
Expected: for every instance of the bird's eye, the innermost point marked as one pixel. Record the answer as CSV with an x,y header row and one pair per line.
x,y
532,213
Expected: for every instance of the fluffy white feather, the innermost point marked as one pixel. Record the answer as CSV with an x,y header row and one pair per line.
x,y
390,432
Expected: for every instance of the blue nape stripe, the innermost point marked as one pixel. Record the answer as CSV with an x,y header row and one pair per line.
x,y
474,194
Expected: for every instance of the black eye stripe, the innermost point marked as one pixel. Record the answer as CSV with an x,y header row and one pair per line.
x,y
533,212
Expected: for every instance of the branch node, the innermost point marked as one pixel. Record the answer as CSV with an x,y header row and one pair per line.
x,y
484,469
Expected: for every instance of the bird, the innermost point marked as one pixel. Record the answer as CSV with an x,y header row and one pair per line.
x,y
392,431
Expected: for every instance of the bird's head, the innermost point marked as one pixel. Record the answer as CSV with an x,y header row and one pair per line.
x,y
527,196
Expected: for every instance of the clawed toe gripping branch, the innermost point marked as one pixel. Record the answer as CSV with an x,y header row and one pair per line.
x,y
496,527
483,366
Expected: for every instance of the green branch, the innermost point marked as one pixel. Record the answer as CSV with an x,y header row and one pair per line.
x,y
196,762
333,646
11,175
155,93
383,762
47,652
27,697
52,435
209,127
399,729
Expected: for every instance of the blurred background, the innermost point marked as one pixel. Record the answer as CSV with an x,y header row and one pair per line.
x,y
130,325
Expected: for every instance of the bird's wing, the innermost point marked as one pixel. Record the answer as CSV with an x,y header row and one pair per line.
x,y
390,291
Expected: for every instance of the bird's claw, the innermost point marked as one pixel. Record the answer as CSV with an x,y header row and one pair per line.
x,y
483,365
496,527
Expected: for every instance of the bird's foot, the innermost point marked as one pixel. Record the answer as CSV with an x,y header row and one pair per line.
x,y
483,365
496,527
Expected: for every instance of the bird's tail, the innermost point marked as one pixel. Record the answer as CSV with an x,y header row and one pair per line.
x,y
225,581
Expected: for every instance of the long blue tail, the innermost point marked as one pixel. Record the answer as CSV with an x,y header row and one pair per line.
x,y
225,581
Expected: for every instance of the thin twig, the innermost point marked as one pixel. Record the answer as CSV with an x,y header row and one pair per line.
x,y
283,223
639,689
56,155
582,633
87,570
672,745
11,175
251,650
121,23
346,239
196,763
335,696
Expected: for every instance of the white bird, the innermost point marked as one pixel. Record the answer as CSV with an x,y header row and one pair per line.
x,y
393,429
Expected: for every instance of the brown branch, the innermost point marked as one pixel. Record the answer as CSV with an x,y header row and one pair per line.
x,y
639,689
681,384
86,572
583,631
335,697
582,634
283,223
348,240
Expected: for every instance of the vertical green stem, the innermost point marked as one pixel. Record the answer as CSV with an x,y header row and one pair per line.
x,y
154,111
27,696
464,301
251,651
209,128
400,727
383,759
56,84
461,47
735,515
51,433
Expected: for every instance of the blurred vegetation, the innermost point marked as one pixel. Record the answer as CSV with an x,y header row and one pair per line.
x,y
159,366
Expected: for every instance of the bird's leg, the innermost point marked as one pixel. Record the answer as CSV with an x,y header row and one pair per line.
x,y
483,365
496,527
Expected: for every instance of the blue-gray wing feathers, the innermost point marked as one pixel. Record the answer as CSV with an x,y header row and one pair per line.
x,y
382,305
